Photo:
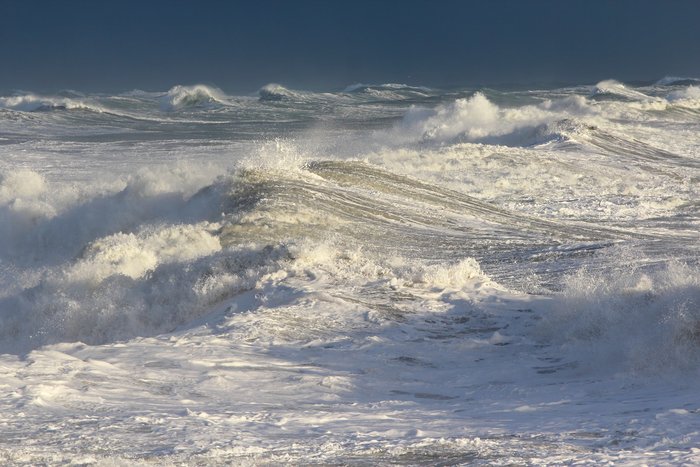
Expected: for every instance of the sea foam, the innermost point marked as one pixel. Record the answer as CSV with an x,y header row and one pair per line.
x,y
646,321
691,93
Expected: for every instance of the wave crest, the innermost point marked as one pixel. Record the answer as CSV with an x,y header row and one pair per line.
x,y
276,92
199,95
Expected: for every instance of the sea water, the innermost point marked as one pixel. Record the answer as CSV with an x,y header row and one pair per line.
x,y
388,274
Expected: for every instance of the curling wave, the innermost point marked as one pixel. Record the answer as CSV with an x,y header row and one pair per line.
x,y
188,97
618,90
276,92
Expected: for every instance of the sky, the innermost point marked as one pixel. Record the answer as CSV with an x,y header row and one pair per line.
x,y
92,45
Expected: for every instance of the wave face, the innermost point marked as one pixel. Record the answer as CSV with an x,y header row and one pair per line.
x,y
386,274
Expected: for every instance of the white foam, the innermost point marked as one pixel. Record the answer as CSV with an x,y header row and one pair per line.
x,y
181,177
24,201
330,345
39,219
133,255
691,93
129,285
354,265
477,119
632,320
21,184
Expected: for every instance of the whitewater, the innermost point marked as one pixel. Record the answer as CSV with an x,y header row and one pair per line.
x,y
386,274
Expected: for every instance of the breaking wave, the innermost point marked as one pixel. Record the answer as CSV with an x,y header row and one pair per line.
x,y
187,97
151,257
273,92
574,119
36,103
168,246
677,81
414,260
390,91
276,92
477,119
616,89
98,267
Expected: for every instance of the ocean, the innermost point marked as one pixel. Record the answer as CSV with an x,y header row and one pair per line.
x,y
383,275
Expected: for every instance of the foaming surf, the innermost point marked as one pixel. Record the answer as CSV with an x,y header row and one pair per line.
x,y
387,273
642,319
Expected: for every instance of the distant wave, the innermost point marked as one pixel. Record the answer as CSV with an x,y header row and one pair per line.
x,y
36,103
691,93
477,119
276,92
615,88
676,81
361,87
387,91
567,121
199,95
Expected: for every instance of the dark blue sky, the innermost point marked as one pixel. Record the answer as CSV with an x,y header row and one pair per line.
x,y
241,45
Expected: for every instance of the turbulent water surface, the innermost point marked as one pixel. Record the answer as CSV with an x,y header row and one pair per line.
x,y
383,275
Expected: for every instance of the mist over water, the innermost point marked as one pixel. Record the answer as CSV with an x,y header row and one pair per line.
x,y
389,273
